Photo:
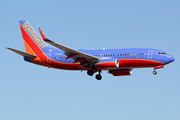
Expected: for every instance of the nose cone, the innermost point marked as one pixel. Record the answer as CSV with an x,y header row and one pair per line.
x,y
170,59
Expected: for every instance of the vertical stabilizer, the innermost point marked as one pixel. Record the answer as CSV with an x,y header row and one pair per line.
x,y
33,43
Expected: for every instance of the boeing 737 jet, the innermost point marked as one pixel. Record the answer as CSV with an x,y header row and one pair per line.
x,y
118,62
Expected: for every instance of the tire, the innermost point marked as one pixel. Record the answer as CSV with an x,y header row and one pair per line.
x,y
154,72
90,72
98,77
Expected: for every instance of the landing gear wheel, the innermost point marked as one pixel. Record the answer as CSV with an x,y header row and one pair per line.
x,y
98,77
154,72
90,72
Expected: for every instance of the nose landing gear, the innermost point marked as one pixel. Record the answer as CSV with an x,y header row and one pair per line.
x,y
157,67
154,72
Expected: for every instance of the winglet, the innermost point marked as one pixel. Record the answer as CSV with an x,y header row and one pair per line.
x,y
44,37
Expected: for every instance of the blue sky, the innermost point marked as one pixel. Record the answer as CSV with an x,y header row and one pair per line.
x,y
32,92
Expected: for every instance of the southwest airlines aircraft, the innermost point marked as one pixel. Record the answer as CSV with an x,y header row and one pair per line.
x,y
119,62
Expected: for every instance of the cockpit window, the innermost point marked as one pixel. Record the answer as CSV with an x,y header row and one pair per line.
x,y
161,53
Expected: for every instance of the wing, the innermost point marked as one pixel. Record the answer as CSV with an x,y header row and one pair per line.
x,y
24,54
69,51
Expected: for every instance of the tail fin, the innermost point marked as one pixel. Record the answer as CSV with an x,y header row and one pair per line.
x,y
33,43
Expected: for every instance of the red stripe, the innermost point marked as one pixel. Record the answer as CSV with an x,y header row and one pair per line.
x,y
138,63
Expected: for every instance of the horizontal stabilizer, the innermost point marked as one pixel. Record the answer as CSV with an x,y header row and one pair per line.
x,y
22,53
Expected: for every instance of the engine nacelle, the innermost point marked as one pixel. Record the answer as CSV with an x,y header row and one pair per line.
x,y
108,63
121,72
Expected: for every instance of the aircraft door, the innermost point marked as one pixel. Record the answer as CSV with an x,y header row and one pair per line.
x,y
150,52
49,58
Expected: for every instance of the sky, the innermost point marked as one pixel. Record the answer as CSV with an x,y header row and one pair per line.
x,y
32,92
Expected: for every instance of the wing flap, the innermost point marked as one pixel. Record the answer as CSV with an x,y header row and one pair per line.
x,y
24,54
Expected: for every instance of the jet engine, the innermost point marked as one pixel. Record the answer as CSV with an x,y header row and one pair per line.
x,y
121,72
108,63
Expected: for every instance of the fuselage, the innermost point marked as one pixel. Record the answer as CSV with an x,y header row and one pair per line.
x,y
119,62
128,58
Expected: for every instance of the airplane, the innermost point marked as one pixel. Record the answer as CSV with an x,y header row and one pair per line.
x,y
118,62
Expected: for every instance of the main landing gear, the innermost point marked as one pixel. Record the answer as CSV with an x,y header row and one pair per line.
x,y
90,72
98,76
